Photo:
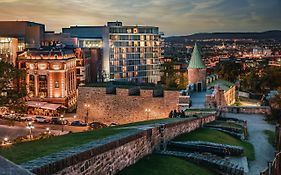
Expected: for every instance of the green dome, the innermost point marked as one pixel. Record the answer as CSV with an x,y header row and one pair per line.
x,y
196,59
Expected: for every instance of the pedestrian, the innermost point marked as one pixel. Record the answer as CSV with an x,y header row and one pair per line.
x,y
171,114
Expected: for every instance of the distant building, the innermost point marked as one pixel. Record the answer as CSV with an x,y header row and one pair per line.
x,y
8,49
51,75
196,71
129,53
29,34
205,91
220,93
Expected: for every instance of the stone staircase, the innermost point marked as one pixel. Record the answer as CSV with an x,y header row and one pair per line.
x,y
224,166
202,146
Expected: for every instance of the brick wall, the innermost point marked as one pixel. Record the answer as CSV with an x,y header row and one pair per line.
x,y
113,156
197,75
122,108
247,109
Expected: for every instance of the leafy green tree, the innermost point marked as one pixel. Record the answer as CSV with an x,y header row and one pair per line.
x,y
173,78
12,87
229,71
275,104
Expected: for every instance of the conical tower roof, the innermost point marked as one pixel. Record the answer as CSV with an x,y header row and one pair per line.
x,y
196,59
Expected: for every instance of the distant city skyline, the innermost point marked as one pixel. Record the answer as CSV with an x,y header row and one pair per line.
x,y
174,17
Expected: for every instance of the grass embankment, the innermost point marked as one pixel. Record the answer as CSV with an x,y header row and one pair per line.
x,y
227,124
23,152
271,137
26,151
211,135
164,165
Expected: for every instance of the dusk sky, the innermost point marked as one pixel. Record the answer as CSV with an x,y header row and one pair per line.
x,y
174,17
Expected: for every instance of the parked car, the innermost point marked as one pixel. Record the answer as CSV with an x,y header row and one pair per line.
x,y
9,116
113,124
26,118
58,121
40,119
78,123
97,125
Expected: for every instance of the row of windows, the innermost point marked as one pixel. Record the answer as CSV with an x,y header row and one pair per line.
x,y
134,56
135,37
138,68
133,74
135,30
135,50
135,43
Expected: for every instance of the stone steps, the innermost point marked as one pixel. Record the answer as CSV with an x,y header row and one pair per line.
x,y
208,160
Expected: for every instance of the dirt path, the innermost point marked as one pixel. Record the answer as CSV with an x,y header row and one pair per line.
x,y
264,152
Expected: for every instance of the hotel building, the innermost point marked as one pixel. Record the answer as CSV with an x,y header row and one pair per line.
x,y
50,75
129,53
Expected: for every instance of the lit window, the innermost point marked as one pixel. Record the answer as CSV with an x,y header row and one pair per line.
x,y
56,84
135,30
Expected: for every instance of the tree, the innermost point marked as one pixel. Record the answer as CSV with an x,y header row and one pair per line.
x,y
229,71
12,87
275,105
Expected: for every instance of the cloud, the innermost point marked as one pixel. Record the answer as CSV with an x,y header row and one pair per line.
x,y
174,17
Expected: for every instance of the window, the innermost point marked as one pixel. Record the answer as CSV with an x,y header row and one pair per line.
x,y
43,86
56,84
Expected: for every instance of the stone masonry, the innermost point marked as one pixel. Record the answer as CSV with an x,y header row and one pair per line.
x,y
112,154
122,108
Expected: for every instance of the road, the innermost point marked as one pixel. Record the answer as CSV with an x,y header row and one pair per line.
x,y
13,132
17,129
264,151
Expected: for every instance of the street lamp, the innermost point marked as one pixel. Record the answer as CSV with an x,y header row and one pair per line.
x,y
87,113
30,127
147,111
62,122
6,142
48,131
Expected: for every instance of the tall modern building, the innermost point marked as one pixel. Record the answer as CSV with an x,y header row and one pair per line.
x,y
129,53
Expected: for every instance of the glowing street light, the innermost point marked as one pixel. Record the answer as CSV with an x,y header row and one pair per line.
x,y
6,142
48,131
30,127
147,111
87,113
62,122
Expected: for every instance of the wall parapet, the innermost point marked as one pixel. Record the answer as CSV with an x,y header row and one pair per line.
x,y
265,110
115,105
114,153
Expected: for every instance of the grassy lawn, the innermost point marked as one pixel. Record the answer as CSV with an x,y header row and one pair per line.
x,y
23,152
164,165
271,137
211,135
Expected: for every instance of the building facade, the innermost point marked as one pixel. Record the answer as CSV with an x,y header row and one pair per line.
x,y
196,71
29,34
8,49
129,53
135,53
50,75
